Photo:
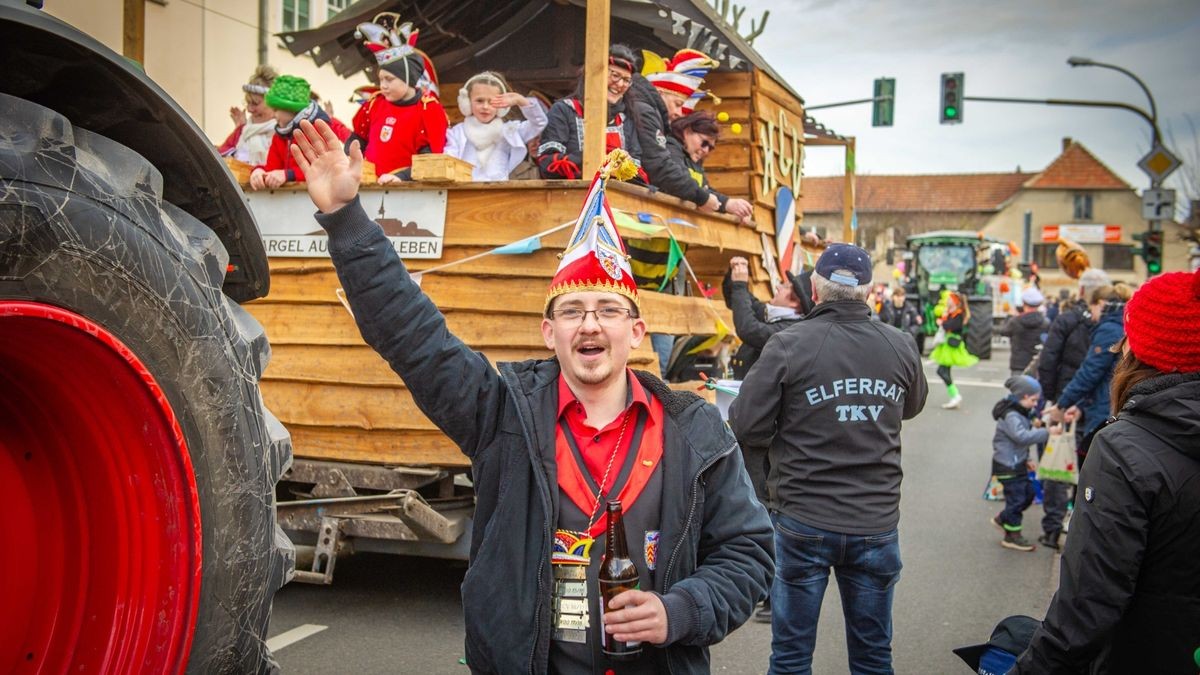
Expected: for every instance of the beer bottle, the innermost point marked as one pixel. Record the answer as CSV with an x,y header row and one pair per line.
x,y
617,575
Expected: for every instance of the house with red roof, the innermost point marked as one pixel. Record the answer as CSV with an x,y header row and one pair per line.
x,y
1076,196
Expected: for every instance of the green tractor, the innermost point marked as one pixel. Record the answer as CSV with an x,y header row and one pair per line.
x,y
951,260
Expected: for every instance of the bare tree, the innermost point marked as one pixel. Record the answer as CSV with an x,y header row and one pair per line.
x,y
1187,179
725,8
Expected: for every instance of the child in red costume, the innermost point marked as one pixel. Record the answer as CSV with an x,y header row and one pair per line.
x,y
404,117
291,99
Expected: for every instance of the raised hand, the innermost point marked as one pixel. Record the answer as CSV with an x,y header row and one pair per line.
x,y
237,115
739,269
332,176
512,98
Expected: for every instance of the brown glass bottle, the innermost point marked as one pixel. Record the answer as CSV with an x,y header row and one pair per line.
x,y
617,575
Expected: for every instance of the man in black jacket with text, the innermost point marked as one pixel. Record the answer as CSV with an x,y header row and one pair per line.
x,y
828,395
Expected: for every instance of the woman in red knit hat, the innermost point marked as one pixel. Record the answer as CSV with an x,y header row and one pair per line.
x,y
1129,595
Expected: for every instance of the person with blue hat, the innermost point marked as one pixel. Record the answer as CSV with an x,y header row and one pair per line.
x,y
827,397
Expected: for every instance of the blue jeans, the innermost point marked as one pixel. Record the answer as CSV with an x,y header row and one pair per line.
x,y
663,344
1018,495
867,567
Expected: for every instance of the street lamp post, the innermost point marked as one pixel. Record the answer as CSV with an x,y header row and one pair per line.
x,y
1155,224
1077,61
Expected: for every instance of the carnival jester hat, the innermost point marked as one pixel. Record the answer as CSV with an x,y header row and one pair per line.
x,y
682,74
394,44
595,257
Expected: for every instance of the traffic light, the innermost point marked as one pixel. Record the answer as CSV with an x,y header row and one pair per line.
x,y
885,102
952,98
1151,250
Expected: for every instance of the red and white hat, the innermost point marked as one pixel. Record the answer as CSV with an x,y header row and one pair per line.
x,y
684,74
394,45
595,257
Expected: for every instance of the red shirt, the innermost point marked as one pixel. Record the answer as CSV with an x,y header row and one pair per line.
x,y
596,446
395,132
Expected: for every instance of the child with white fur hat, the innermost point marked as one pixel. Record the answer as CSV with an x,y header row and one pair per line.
x,y
484,138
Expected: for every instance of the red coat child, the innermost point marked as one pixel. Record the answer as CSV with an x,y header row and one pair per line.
x,y
279,155
404,117
292,101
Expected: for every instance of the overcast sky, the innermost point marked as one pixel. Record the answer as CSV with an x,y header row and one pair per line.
x,y
832,50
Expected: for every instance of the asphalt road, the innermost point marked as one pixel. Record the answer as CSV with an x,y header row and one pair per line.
x,y
387,614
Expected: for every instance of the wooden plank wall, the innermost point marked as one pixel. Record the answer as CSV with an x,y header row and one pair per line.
x,y
342,402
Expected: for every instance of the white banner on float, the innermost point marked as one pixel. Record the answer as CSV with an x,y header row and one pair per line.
x,y
414,220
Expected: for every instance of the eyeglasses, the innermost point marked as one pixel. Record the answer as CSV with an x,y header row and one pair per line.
x,y
607,316
614,76
707,145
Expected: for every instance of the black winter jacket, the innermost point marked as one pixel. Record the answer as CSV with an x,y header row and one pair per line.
x,y
560,154
827,396
1025,332
750,318
906,318
1067,345
1129,597
716,537
665,170
750,324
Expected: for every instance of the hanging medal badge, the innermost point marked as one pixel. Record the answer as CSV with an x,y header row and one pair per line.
x,y
569,561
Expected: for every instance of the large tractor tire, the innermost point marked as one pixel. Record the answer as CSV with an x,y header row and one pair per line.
x,y
979,328
137,462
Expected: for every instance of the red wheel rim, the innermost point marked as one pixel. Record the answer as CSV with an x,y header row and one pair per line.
x,y
103,521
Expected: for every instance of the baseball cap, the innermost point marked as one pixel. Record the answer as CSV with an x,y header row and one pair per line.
x,y
845,257
1032,297
1009,639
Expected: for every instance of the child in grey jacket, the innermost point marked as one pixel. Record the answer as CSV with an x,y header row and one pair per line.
x,y
1017,428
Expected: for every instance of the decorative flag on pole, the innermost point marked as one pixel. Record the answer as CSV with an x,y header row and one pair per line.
x,y
674,255
785,227
523,246
719,334
595,257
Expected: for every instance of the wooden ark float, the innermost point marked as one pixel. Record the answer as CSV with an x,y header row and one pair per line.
x,y
351,418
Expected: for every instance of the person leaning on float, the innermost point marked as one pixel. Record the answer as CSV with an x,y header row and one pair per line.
x,y
706,551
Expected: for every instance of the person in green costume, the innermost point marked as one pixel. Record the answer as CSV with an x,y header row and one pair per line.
x,y
952,352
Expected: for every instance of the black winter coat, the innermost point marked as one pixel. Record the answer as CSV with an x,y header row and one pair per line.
x,y
1025,332
906,318
1129,596
750,324
666,171
716,538
828,396
1067,344
560,154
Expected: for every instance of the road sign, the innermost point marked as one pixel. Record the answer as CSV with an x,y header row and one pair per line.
x,y
1159,163
1158,204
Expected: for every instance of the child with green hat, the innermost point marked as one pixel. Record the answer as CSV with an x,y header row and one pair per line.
x,y
292,100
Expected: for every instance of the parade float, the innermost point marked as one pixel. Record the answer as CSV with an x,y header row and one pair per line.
x,y
371,471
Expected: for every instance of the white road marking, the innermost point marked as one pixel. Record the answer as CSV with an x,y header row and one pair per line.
x,y
978,383
294,635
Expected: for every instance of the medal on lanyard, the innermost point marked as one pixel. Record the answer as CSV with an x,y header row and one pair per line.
x,y
569,560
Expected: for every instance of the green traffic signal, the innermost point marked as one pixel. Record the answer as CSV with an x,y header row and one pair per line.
x,y
952,98
1151,251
